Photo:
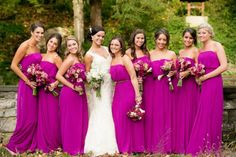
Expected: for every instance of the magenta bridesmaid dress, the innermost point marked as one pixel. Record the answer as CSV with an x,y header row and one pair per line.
x,y
147,104
159,113
123,101
184,112
74,118
24,136
206,135
48,138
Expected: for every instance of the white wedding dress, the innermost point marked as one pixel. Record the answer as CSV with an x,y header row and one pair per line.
x,y
100,138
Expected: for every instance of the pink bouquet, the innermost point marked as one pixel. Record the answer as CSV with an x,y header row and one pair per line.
x,y
36,74
167,67
76,75
142,69
197,70
136,113
181,66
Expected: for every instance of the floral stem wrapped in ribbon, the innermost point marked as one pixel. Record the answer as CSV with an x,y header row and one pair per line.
x,y
142,69
95,79
181,66
166,68
76,75
37,75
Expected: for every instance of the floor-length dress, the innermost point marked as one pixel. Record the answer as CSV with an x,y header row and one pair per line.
x,y
142,133
184,112
206,135
100,138
24,136
74,118
48,138
123,101
160,111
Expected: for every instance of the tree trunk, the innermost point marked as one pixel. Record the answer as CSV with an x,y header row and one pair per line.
x,y
78,6
96,12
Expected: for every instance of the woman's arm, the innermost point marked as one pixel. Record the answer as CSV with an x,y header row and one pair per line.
x,y
20,54
68,62
58,62
88,61
130,68
223,63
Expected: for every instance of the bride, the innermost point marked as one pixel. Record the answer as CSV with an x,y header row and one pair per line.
x,y
100,138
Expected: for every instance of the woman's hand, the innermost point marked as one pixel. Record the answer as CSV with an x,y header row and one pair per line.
x,y
52,86
171,73
184,74
202,78
138,100
32,84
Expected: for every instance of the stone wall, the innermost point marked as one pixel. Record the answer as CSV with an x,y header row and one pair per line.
x,y
8,111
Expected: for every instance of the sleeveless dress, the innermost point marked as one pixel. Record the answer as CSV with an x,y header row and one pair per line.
x,y
24,136
206,135
100,138
142,132
48,138
74,118
161,112
147,105
123,101
184,112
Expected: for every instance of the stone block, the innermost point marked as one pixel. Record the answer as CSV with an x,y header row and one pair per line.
x,y
229,105
7,124
7,103
8,95
232,116
225,117
9,112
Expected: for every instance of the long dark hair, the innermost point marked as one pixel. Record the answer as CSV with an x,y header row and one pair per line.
x,y
93,30
122,45
36,25
59,40
132,44
193,33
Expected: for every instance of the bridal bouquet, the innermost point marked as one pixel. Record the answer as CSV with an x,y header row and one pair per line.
x,y
136,113
167,67
198,70
95,80
36,74
76,75
181,66
142,69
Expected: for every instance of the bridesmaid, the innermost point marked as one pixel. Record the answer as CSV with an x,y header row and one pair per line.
x,y
206,135
24,136
48,138
123,74
138,51
161,109
184,110
73,102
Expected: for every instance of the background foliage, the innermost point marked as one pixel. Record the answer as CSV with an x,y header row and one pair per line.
x,y
120,17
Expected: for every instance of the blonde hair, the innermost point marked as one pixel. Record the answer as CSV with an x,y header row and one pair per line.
x,y
208,27
71,37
